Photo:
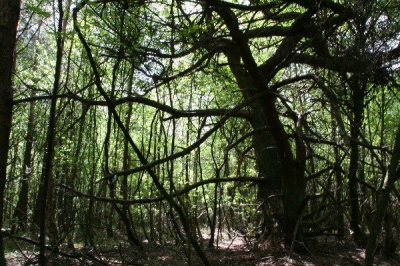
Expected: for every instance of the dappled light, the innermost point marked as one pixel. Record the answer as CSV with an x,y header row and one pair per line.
x,y
199,132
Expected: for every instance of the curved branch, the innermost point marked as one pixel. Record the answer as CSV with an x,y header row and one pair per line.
x,y
193,146
139,99
187,189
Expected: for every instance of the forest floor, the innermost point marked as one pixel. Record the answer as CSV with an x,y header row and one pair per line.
x,y
236,252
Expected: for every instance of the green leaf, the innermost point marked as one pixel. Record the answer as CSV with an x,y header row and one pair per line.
x,y
38,11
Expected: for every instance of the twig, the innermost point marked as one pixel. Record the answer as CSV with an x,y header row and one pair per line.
x,y
22,253
64,254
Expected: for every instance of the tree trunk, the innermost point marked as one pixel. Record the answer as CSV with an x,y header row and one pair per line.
x,y
9,16
355,126
254,82
285,188
124,211
46,178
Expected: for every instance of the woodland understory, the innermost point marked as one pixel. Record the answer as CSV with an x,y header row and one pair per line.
x,y
200,132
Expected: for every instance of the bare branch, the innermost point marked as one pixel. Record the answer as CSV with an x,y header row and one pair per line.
x,y
187,189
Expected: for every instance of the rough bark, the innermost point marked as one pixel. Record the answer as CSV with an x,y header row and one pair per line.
x,y
9,16
291,177
268,163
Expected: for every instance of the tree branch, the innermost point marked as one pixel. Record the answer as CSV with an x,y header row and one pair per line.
x,y
187,189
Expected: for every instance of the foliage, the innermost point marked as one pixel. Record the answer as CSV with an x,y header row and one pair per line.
x,y
196,86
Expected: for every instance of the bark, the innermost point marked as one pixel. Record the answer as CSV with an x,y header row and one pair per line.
x,y
50,215
89,219
267,157
357,84
9,16
392,175
269,168
290,178
110,214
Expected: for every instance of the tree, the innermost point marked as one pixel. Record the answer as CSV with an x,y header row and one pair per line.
x,y
45,196
164,111
9,16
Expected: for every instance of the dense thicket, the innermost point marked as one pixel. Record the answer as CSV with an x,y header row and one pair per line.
x,y
167,121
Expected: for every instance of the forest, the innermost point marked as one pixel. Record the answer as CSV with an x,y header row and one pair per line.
x,y
199,132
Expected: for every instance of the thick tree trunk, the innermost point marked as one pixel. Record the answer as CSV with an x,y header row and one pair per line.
x,y
285,188
253,80
270,168
354,168
267,157
9,16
